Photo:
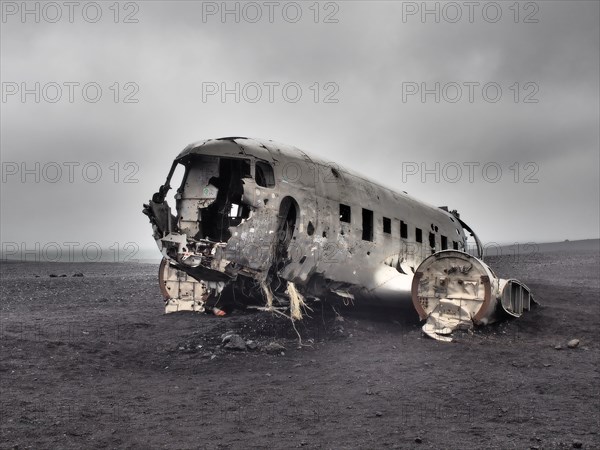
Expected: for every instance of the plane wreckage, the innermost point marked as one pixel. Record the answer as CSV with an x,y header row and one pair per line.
x,y
271,220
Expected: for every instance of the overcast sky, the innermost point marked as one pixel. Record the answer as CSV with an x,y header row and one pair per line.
x,y
346,80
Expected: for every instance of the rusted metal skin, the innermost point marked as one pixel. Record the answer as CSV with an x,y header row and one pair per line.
x,y
251,210
453,290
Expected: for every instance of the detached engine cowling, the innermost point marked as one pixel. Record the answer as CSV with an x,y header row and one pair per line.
x,y
454,290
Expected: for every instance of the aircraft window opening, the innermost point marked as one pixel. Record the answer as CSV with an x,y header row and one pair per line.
x,y
403,229
345,213
367,222
444,243
419,235
264,175
432,240
387,225
227,209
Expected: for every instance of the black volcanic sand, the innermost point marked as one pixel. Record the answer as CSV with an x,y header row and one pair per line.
x,y
93,362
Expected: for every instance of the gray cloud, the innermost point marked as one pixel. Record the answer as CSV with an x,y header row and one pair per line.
x,y
369,54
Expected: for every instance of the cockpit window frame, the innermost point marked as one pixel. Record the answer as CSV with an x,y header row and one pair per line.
x,y
266,179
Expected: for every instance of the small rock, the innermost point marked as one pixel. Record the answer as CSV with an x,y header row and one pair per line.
x,y
235,342
251,345
369,392
273,348
225,336
78,274
558,347
338,331
213,357
573,343
577,444
418,440
339,319
378,413
268,374
297,365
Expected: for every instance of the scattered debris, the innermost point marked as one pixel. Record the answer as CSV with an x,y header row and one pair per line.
x,y
234,342
273,348
338,331
218,312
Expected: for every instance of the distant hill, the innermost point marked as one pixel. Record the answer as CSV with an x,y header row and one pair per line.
x,y
584,245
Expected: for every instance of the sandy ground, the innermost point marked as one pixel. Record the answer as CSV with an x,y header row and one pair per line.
x,y
92,361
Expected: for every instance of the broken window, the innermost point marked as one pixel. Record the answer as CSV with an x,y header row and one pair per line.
x,y
367,225
176,183
444,243
418,235
432,240
227,209
403,229
264,175
345,213
387,225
